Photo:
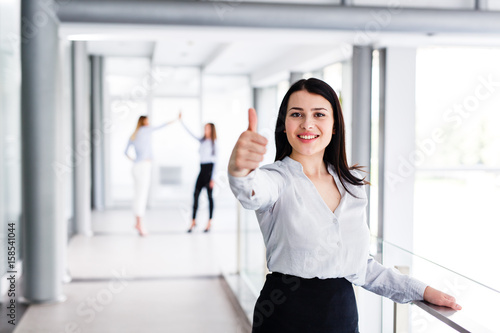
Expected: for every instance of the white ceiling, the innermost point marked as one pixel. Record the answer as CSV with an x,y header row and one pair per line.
x,y
183,52
265,55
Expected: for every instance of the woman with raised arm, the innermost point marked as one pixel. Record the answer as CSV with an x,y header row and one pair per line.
x,y
141,171
208,161
311,208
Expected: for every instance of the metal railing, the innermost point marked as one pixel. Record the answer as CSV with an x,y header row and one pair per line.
x,y
452,318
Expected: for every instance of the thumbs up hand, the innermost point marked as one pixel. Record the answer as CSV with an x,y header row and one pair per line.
x,y
249,149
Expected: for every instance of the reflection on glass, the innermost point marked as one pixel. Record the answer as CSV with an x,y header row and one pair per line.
x,y
457,221
479,302
457,161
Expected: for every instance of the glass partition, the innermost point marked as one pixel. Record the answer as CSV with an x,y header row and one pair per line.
x,y
253,259
479,301
456,160
128,85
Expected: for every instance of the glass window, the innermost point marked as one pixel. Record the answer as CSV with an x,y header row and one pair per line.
x,y
173,147
177,81
333,76
457,160
129,78
123,119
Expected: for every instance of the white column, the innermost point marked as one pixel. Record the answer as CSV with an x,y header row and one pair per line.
x,y
81,140
397,150
295,76
398,145
97,138
347,100
358,98
42,223
361,106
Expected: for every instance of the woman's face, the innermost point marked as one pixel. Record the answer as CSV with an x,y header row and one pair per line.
x,y
208,131
309,123
145,122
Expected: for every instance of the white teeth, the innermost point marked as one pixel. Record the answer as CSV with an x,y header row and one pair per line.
x,y
308,137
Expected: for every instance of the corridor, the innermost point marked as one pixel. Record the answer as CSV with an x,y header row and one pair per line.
x,y
168,281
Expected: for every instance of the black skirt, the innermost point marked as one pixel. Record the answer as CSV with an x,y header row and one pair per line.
x,y
290,304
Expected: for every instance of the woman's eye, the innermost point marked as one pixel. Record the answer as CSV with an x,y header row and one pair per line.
x,y
295,114
320,114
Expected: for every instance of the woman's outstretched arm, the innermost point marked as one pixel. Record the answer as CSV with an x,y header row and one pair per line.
x,y
129,144
167,123
402,288
197,138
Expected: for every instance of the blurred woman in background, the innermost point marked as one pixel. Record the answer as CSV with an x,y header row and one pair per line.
x,y
208,158
141,171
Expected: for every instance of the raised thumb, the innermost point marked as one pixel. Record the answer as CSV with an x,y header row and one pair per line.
x,y
252,120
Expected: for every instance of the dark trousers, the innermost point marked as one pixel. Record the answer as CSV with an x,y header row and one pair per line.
x,y
203,181
290,304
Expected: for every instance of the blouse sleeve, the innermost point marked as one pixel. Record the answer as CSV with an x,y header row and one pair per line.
x,y
265,184
216,152
128,146
391,283
155,128
190,133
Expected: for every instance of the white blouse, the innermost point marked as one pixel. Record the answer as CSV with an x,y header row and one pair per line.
x,y
142,143
303,237
208,150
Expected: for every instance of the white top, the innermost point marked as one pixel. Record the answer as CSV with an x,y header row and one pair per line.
x,y
142,143
208,149
303,237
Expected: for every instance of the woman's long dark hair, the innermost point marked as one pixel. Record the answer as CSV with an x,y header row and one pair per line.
x,y
335,154
213,136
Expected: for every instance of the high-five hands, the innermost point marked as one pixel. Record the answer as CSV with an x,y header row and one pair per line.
x,y
249,149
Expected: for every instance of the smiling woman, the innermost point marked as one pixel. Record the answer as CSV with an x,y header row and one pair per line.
x,y
311,209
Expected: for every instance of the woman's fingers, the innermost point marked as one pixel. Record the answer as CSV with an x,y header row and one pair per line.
x,y
249,149
450,302
437,297
252,146
252,157
248,164
249,136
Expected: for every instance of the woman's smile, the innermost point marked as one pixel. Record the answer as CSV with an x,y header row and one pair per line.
x,y
307,137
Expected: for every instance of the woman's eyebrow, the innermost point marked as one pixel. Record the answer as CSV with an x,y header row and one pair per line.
x,y
301,109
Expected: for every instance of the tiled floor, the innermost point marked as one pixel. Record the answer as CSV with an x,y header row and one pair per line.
x,y
168,281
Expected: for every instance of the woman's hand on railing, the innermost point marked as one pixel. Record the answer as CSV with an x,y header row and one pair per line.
x,y
437,297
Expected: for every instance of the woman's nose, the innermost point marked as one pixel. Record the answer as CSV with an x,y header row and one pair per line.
x,y
308,123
